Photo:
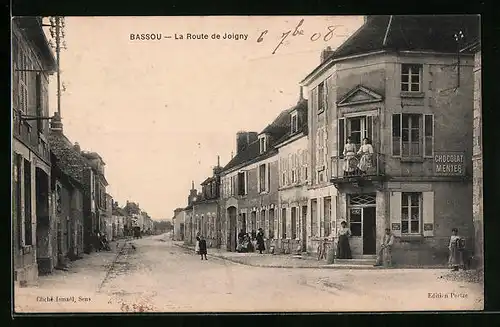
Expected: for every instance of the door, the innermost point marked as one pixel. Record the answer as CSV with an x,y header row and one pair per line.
x,y
369,230
304,228
232,229
355,130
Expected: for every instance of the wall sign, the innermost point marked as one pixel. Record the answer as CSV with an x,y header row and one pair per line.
x,y
428,227
396,226
449,163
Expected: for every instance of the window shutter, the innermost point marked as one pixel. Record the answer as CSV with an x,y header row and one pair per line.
x,y
299,165
341,134
325,94
428,213
395,209
396,142
268,177
375,137
428,135
258,179
335,139
325,148
246,182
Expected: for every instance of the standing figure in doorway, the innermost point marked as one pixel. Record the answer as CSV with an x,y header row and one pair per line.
x,y
343,247
366,152
260,241
384,256
349,157
456,247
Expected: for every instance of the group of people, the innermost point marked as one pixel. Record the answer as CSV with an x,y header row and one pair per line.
x,y
353,166
248,243
456,247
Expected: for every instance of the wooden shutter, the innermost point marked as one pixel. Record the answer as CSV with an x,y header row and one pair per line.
x,y
395,210
376,133
428,136
268,177
396,135
341,135
325,148
428,213
258,179
246,182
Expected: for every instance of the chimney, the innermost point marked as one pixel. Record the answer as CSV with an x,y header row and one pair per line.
x,y
243,139
77,147
56,123
301,93
218,161
192,185
325,54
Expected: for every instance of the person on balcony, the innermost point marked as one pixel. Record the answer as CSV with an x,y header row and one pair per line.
x,y
343,247
349,157
366,152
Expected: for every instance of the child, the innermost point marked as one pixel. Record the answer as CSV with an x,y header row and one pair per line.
x,y
203,248
197,245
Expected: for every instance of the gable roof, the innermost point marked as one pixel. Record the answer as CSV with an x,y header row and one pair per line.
x,y
277,130
406,33
69,160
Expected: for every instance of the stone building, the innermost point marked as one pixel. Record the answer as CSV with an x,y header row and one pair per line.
x,y
99,184
477,155
32,63
249,184
205,209
395,81
69,189
119,218
178,224
293,176
189,221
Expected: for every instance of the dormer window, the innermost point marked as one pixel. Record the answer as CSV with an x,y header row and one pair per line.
x,y
294,123
263,143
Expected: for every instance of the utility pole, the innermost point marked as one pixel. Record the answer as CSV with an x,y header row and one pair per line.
x,y
57,25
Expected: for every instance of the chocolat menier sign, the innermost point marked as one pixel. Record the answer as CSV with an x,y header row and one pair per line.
x,y
449,163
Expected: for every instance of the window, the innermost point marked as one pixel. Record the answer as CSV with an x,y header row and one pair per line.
x,y
327,225
27,203
412,135
263,178
411,78
253,220
263,143
411,213
321,97
314,218
271,223
283,223
294,124
242,183
320,143
294,223
305,165
293,172
355,221
283,162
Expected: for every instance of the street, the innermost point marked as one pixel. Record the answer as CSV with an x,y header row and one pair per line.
x,y
152,274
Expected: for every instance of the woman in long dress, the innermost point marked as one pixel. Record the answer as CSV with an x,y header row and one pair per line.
x,y
456,247
343,247
260,241
366,152
349,157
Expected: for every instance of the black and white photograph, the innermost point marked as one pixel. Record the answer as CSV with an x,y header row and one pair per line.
x,y
184,164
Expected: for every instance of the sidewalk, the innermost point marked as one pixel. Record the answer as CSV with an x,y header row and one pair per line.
x,y
286,261
80,284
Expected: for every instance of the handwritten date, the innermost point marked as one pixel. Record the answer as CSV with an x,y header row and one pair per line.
x,y
298,31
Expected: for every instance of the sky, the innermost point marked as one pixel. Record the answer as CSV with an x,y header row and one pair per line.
x,y
159,112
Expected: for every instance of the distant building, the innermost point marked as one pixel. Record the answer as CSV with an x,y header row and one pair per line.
x,y
32,223
178,224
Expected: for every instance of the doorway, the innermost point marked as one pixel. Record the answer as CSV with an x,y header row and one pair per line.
x,y
232,232
369,231
304,228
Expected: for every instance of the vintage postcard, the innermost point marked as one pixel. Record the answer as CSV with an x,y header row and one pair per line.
x,y
246,164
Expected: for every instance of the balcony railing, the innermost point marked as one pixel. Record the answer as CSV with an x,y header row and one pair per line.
x,y
358,167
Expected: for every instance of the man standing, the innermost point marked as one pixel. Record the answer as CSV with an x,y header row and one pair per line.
x,y
384,256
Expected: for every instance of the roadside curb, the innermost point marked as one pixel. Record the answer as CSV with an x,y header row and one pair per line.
x,y
325,266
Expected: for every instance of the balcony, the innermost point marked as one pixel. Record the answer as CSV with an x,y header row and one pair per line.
x,y
375,170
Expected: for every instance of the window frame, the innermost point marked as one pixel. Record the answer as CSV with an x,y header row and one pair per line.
x,y
262,143
423,137
409,207
410,75
294,122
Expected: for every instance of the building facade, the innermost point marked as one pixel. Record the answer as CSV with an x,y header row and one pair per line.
x,y
403,94
68,193
477,155
293,159
178,224
249,185
32,63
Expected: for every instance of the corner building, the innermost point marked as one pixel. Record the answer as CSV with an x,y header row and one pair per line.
x,y
396,82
